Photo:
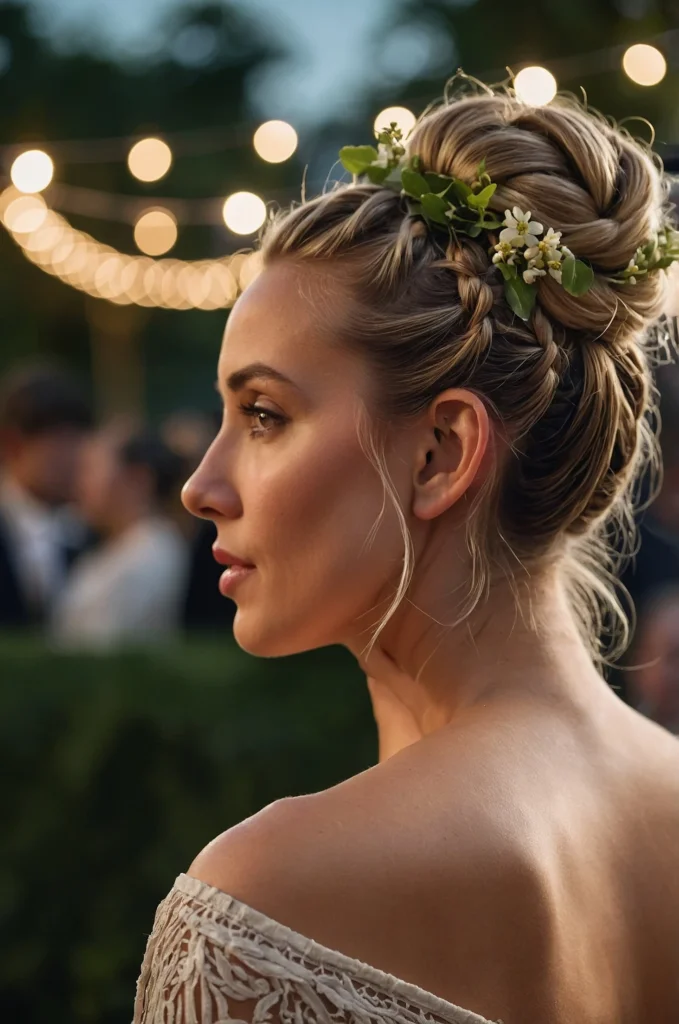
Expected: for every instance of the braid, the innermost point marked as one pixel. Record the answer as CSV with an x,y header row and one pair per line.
x,y
570,389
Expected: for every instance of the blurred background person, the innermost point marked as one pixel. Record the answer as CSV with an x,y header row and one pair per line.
x,y
130,588
44,420
655,686
654,570
203,607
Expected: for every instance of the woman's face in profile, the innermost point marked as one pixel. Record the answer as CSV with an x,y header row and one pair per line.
x,y
286,482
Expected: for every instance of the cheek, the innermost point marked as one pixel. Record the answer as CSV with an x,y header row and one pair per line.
x,y
317,513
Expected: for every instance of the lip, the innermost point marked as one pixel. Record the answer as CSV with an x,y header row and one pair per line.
x,y
232,577
224,557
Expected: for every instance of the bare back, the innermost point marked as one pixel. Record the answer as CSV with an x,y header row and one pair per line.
x,y
525,868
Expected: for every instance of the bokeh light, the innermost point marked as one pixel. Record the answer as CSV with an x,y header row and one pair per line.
x,y
155,232
51,243
535,86
404,118
275,141
244,212
32,171
25,214
149,159
644,64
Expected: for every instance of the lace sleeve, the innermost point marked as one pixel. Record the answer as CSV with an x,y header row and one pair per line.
x,y
211,960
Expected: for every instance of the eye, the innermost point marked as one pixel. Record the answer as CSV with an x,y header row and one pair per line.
x,y
263,420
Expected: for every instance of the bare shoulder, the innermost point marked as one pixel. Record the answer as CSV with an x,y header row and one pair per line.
x,y
352,865
361,870
252,859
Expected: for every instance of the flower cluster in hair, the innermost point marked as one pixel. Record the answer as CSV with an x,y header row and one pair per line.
x,y
521,255
657,254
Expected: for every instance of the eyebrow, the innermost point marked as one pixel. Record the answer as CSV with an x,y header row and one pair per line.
x,y
239,378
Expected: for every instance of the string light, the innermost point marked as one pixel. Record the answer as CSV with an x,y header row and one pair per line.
x,y
535,86
155,232
149,159
32,171
644,64
25,213
244,213
404,118
275,141
51,243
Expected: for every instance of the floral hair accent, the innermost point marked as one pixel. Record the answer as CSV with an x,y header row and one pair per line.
x,y
521,255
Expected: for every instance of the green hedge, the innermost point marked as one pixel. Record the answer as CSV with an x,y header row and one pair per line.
x,y
117,770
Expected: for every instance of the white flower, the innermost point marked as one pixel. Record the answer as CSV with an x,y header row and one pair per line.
x,y
532,273
551,239
385,155
535,261
547,247
520,229
555,269
566,253
504,253
631,280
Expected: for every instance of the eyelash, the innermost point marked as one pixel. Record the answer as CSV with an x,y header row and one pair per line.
x,y
257,410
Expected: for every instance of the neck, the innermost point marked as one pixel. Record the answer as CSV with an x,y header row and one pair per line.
x,y
514,648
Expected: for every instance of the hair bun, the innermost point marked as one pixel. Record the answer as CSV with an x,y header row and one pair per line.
x,y
576,173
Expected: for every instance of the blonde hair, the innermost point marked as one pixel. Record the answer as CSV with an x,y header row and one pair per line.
x,y
571,389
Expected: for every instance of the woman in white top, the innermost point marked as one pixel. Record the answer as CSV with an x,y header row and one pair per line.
x,y
428,430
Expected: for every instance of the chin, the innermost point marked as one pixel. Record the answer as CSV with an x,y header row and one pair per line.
x,y
263,640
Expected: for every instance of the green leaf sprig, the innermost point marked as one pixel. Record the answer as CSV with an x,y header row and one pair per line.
x,y
441,200
520,254
657,254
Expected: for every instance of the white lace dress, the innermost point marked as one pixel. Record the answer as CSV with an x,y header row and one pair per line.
x,y
211,959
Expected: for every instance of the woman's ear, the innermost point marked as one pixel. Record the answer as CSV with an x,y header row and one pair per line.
x,y
455,438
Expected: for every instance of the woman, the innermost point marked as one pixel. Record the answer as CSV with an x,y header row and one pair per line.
x,y
410,467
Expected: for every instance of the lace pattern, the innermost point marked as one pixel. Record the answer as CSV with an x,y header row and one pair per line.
x,y
211,959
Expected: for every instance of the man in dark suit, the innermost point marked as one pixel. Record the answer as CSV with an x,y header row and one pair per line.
x,y
44,417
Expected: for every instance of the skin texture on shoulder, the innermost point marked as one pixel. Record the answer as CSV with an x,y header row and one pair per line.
x,y
497,873
332,873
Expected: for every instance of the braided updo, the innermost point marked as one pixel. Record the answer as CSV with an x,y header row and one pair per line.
x,y
571,389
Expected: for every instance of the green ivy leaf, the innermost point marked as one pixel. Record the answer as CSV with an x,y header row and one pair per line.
x,y
461,190
492,223
665,261
481,169
413,183
481,199
576,277
393,178
435,208
520,296
357,158
473,230
377,175
508,270
438,183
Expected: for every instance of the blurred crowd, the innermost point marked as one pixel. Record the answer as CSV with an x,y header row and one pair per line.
x,y
96,550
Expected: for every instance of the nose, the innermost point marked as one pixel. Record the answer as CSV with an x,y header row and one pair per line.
x,y
208,493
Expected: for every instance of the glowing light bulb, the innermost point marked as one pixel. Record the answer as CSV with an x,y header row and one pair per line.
x,y
644,64
149,159
404,118
535,86
244,212
275,141
32,171
155,232
25,214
